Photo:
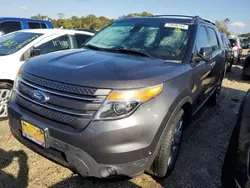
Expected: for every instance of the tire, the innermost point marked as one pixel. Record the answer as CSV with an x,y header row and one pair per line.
x,y
229,67
161,164
244,76
214,98
5,91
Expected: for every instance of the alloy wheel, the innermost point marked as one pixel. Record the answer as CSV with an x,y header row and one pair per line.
x,y
4,97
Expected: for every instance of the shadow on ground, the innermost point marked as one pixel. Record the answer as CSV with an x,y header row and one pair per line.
x,y
9,180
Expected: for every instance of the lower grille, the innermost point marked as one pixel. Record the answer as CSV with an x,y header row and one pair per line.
x,y
75,122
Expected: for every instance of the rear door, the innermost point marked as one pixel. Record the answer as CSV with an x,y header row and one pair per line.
x,y
217,63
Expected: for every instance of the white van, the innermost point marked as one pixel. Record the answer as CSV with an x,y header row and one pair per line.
x,y
19,46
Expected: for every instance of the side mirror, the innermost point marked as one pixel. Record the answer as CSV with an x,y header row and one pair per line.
x,y
35,52
206,52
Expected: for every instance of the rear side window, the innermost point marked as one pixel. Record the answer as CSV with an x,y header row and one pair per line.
x,y
9,26
213,40
202,38
81,39
43,25
34,25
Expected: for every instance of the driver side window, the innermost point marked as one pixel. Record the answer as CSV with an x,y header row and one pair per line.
x,y
201,39
59,43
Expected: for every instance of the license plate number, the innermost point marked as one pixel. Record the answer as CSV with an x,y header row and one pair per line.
x,y
33,133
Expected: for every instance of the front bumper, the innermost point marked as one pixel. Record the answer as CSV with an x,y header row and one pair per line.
x,y
125,147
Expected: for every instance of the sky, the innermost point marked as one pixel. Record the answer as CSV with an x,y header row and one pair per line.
x,y
238,11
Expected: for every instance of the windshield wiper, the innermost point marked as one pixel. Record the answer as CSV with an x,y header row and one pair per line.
x,y
122,50
93,47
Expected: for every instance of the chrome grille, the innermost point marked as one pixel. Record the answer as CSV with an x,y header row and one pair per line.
x,y
73,108
58,86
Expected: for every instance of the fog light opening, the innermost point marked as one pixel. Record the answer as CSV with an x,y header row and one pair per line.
x,y
107,172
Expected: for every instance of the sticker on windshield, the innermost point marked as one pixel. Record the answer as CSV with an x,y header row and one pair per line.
x,y
179,26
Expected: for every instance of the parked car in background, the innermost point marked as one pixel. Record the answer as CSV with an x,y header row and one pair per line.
x,y
246,67
236,168
19,46
8,25
119,106
237,48
228,52
246,43
88,30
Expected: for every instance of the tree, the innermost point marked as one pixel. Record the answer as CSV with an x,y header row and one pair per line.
x,y
89,22
40,17
143,14
60,15
247,35
223,26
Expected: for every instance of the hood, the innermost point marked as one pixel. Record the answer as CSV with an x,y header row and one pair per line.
x,y
102,69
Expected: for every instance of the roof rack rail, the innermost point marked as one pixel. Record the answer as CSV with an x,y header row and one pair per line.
x,y
184,16
194,18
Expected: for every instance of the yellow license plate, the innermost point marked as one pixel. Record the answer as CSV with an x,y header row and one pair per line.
x,y
33,133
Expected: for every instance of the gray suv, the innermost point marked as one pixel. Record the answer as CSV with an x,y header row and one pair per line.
x,y
119,106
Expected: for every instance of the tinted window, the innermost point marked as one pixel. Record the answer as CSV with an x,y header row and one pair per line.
x,y
202,38
13,42
224,41
60,43
213,40
81,39
34,25
43,25
232,41
9,26
162,40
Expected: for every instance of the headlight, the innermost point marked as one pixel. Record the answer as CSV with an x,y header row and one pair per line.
x,y
120,104
16,80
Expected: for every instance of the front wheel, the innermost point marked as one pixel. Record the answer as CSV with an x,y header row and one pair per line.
x,y
169,149
5,92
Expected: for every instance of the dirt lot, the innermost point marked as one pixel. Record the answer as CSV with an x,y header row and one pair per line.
x,y
199,164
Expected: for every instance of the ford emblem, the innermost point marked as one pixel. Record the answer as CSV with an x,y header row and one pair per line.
x,y
39,96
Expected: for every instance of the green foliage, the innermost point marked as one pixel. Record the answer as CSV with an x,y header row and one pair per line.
x,y
40,17
223,26
247,35
144,14
88,22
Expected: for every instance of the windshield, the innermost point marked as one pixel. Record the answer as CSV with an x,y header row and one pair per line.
x,y
11,43
167,41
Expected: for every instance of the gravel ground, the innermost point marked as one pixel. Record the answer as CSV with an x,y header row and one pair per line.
x,y
199,164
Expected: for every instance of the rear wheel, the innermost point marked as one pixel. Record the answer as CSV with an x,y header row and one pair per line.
x,y
169,149
5,92
214,99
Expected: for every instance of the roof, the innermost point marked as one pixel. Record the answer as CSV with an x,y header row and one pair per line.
x,y
169,18
56,31
157,19
22,19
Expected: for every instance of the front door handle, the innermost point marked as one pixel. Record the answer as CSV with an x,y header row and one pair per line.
x,y
212,64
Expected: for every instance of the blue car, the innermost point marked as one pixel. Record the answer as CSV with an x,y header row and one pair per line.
x,y
8,25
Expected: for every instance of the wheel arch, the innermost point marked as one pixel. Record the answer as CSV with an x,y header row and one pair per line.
x,y
7,81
